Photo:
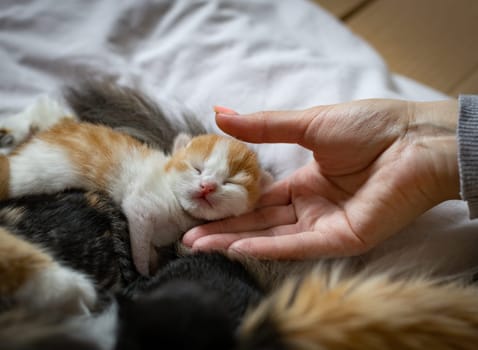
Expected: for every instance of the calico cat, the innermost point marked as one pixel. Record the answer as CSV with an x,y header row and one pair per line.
x,y
208,177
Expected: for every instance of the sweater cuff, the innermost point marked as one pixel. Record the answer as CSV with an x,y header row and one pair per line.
x,y
467,138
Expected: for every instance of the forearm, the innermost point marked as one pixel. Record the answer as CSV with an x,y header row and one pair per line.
x,y
468,151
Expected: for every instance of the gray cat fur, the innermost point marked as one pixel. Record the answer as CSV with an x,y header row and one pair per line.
x,y
130,111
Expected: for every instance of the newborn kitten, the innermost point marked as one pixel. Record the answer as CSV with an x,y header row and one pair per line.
x,y
208,177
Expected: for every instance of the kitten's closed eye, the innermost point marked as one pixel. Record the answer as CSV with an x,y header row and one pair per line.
x,y
198,169
231,182
239,179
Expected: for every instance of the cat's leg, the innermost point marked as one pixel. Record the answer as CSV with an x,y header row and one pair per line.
x,y
18,128
30,277
141,222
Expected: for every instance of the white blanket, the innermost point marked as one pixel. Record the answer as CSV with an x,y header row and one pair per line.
x,y
249,55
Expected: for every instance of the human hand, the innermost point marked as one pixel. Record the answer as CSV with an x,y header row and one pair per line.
x,y
378,165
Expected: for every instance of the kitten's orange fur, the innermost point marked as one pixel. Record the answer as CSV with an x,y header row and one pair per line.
x,y
95,148
19,261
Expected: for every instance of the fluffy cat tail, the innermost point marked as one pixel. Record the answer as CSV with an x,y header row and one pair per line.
x,y
130,111
323,311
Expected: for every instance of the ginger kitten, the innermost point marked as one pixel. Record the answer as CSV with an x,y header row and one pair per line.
x,y
207,177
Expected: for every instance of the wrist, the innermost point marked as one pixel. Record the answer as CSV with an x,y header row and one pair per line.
x,y
435,125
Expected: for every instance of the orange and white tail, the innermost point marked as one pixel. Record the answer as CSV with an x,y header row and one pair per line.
x,y
322,311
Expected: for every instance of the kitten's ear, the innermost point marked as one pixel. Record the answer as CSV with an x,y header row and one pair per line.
x,y
181,141
266,180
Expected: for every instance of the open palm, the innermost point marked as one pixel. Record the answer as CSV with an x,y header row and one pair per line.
x,y
371,176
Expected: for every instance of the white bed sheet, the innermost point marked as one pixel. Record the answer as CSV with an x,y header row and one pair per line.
x,y
249,55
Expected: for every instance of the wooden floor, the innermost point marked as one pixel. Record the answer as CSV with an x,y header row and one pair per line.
x,y
432,41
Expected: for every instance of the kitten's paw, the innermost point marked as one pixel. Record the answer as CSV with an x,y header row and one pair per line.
x,y
59,287
40,115
12,133
7,141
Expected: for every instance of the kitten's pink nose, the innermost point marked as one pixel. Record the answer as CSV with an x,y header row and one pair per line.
x,y
207,187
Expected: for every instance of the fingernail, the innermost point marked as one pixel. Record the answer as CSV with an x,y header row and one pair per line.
x,y
224,110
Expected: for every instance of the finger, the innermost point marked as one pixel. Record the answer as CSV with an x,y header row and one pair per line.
x,y
257,220
223,241
303,245
269,127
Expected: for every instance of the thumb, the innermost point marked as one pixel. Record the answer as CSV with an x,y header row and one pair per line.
x,y
267,126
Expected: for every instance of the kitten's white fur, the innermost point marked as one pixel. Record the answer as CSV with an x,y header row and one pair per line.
x,y
58,287
46,162
155,217
22,328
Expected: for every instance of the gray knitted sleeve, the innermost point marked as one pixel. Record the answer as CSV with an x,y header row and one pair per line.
x,y
468,151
